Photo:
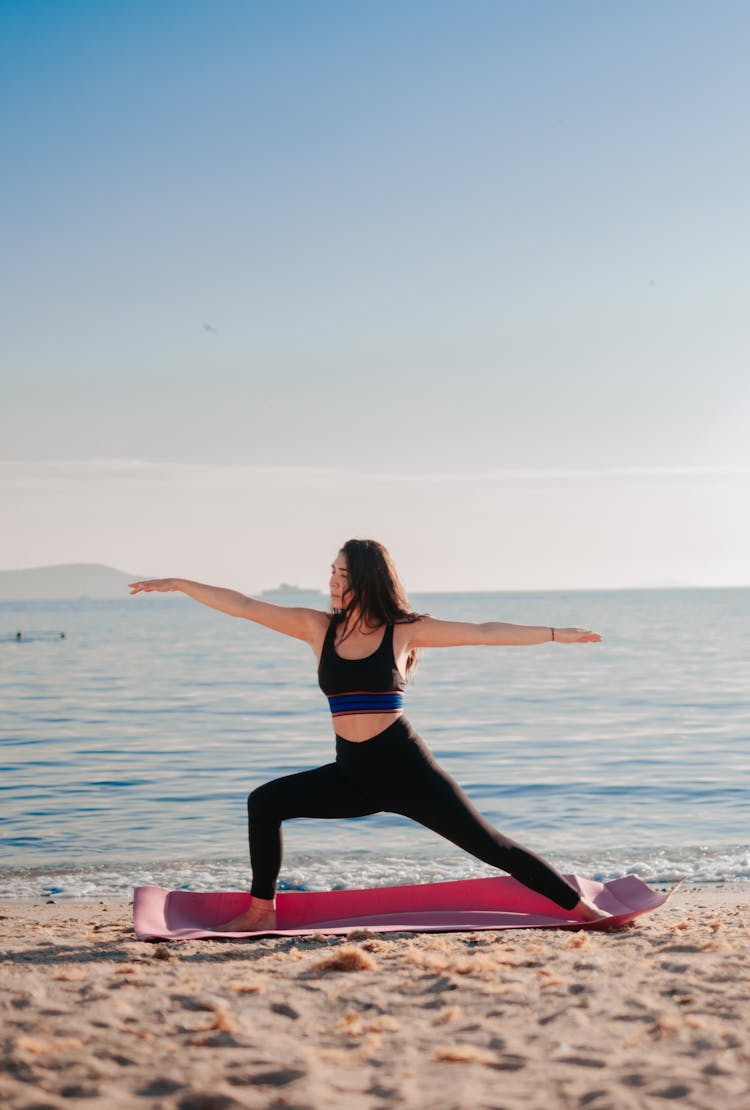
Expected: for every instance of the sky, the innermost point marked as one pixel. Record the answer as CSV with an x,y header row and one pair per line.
x,y
468,277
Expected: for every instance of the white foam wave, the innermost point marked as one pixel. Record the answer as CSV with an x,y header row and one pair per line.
x,y
115,881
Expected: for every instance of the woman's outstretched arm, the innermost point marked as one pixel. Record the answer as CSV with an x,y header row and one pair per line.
x,y
429,632
302,624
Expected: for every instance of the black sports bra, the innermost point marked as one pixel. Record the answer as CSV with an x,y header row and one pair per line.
x,y
354,686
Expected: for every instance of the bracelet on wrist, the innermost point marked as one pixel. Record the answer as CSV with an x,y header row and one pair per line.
x,y
553,634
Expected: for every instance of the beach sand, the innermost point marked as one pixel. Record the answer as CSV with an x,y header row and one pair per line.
x,y
652,1015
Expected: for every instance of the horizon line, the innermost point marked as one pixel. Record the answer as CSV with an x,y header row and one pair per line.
x,y
667,470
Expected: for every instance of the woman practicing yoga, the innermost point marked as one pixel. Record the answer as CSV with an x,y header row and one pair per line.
x,y
366,647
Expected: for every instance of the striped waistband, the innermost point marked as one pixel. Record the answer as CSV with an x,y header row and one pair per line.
x,y
361,701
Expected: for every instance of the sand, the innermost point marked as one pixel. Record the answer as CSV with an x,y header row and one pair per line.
x,y
652,1015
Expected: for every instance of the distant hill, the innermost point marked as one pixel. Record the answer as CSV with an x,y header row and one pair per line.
x,y
65,582
287,590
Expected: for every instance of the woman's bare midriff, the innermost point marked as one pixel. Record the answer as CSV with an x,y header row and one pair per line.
x,y
358,728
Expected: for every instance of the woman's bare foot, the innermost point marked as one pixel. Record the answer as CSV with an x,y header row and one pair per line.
x,y
587,911
260,917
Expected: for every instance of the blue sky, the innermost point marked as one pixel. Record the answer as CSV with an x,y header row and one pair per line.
x,y
488,242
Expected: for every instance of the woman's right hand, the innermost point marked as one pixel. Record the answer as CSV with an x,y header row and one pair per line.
x,y
158,585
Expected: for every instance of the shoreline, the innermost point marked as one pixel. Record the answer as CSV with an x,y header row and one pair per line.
x,y
532,1018
725,890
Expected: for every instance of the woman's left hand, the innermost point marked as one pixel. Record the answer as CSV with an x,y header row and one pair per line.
x,y
576,636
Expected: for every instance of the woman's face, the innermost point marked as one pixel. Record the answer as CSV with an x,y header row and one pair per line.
x,y
338,585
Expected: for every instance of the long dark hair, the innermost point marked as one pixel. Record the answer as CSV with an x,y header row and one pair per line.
x,y
376,590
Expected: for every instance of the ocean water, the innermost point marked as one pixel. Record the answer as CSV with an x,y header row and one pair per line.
x,y
128,747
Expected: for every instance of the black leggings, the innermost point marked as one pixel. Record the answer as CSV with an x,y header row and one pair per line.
x,y
396,772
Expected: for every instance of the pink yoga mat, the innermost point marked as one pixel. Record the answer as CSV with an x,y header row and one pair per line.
x,y
466,905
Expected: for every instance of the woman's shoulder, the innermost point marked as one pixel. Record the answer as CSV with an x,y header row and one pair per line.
x,y
405,627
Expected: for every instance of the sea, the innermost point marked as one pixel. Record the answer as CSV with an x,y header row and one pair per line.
x,y
132,731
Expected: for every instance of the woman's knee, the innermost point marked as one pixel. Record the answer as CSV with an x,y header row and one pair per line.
x,y
260,801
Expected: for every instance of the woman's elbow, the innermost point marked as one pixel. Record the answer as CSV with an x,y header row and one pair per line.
x,y
485,634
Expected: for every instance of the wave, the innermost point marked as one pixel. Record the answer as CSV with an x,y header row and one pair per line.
x,y
115,881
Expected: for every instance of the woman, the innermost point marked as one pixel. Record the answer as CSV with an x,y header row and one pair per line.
x,y
366,648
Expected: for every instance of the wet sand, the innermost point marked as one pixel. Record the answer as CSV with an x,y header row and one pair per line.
x,y
651,1015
